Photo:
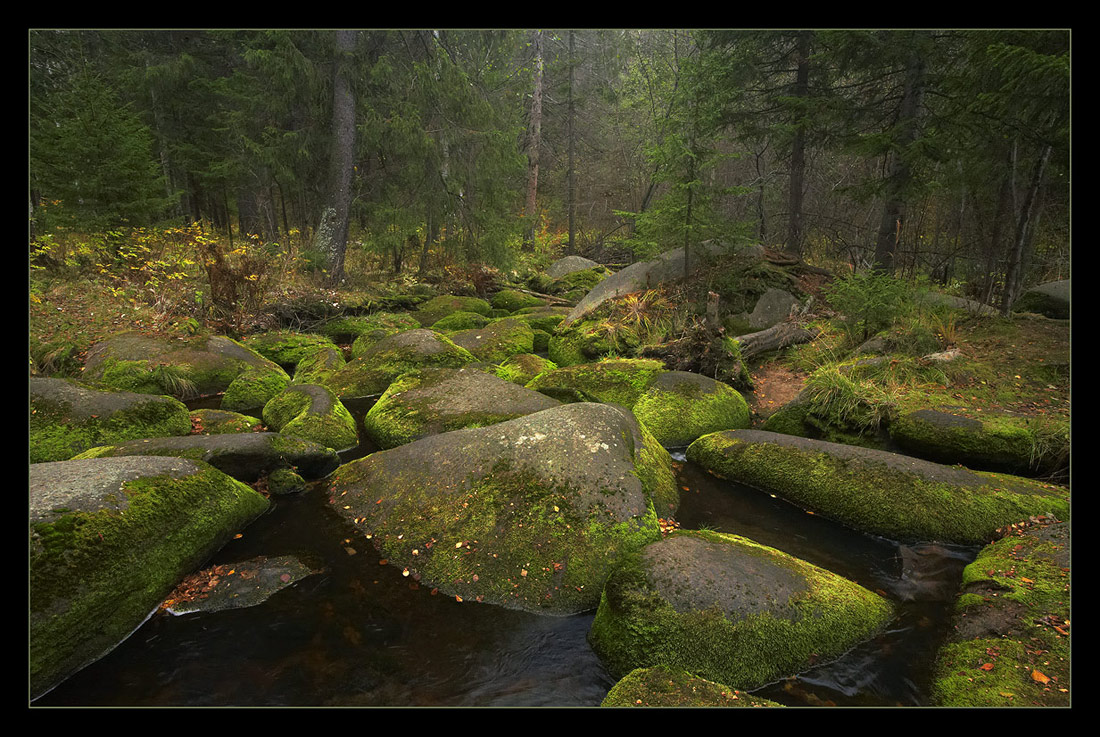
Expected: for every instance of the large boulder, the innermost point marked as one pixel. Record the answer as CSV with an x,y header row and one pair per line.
x,y
498,340
109,538
244,456
1051,299
531,514
349,328
679,407
67,418
728,609
568,265
874,491
772,308
513,299
667,267
199,366
619,381
523,367
221,422
319,365
314,413
435,400
438,307
994,443
287,348
370,373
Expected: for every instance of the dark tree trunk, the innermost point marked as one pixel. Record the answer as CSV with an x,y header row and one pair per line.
x,y
331,238
900,172
534,143
1023,233
572,196
798,150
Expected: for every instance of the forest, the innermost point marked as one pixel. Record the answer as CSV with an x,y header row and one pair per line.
x,y
829,265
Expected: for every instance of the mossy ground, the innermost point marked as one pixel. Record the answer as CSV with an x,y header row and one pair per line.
x,y
1011,642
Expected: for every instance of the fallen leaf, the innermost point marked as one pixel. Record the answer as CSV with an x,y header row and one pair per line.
x,y
1039,677
987,666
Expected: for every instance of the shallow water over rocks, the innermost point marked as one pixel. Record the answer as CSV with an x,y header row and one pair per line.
x,y
360,634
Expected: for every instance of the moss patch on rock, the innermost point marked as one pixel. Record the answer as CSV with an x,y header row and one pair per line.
x,y
428,313
314,413
498,340
430,401
220,422
523,367
253,389
1010,643
371,373
660,686
617,380
730,610
532,513
109,538
287,348
460,321
67,418
882,493
680,407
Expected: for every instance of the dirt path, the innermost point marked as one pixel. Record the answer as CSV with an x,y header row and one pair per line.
x,y
775,385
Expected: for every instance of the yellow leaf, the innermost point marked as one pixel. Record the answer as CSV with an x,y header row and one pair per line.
x,y
1039,677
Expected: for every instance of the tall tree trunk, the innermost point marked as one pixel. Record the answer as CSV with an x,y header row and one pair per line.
x,y
798,150
534,141
572,196
331,237
899,173
1013,276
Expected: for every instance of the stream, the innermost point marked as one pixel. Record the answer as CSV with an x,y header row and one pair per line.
x,y
357,633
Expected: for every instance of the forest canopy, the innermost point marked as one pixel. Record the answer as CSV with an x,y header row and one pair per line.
x,y
937,152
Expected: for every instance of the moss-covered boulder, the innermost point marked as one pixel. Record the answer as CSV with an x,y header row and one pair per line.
x,y
371,373
531,514
348,328
220,422
244,456
253,389
109,538
318,366
523,367
1051,299
805,419
882,493
438,307
314,413
498,340
460,321
616,380
542,318
730,610
67,418
287,348
434,400
1006,443
680,407
513,299
1010,640
660,686
587,341
200,366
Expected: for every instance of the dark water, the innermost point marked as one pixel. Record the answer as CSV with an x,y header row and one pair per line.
x,y
359,634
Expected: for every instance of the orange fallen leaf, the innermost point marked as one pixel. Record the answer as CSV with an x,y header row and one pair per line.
x,y
1039,677
987,666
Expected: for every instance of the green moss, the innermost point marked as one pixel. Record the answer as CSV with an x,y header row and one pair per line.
x,y
636,627
319,366
287,348
873,496
220,422
512,300
253,389
619,381
509,538
371,373
460,320
523,367
324,420
498,340
95,576
55,436
437,307
663,687
685,412
284,481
